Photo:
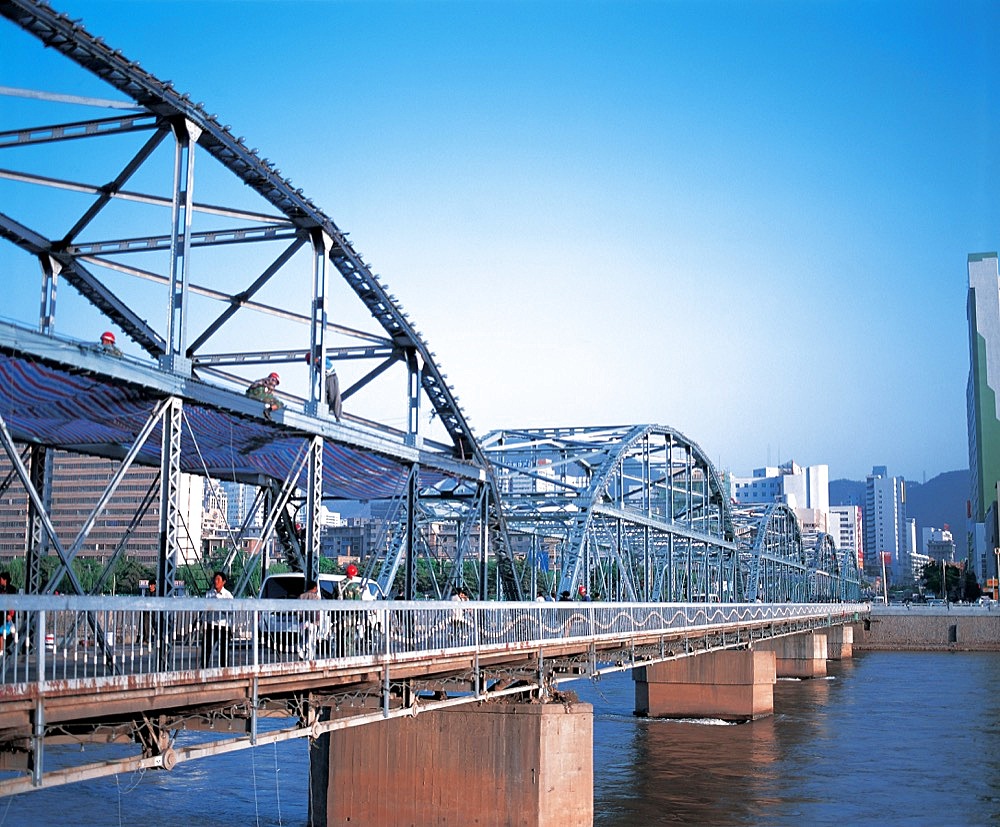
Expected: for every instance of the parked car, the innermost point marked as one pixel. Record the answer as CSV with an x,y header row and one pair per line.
x,y
281,629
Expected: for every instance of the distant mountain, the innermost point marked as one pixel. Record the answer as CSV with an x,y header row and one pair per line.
x,y
939,502
936,503
847,492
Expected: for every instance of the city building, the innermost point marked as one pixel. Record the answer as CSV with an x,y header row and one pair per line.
x,y
887,533
983,309
240,500
806,490
938,543
847,529
130,516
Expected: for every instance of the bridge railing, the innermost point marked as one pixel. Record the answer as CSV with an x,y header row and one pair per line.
x,y
63,638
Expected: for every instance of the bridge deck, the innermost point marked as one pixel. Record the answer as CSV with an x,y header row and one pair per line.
x,y
131,670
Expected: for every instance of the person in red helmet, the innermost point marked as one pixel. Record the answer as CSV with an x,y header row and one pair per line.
x,y
263,389
108,344
350,589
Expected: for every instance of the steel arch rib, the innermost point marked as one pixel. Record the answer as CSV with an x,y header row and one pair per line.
x,y
599,483
759,553
59,32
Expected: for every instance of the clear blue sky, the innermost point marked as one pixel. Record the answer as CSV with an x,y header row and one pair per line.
x,y
747,221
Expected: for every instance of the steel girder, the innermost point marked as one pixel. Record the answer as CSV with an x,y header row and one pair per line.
x,y
629,512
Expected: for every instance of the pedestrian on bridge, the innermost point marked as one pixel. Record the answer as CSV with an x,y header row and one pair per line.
x,y
150,620
217,625
313,626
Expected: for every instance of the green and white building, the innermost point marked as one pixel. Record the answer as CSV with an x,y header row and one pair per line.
x,y
983,414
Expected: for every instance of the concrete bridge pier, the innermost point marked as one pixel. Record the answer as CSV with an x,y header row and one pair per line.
x,y
801,655
840,642
529,764
734,685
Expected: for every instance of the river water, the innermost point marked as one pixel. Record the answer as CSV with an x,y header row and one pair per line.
x,y
889,738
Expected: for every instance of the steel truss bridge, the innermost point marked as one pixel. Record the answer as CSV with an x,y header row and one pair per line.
x,y
174,233
631,513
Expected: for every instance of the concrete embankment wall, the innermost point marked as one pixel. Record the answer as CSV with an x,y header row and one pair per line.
x,y
959,629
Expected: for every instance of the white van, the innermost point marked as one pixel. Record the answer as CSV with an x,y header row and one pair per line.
x,y
289,585
281,629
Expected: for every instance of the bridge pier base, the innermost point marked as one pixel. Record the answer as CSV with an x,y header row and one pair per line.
x,y
801,655
840,642
494,764
734,685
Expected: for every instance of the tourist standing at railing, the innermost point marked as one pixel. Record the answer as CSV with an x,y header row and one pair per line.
x,y
8,622
150,620
349,625
217,625
311,623
458,622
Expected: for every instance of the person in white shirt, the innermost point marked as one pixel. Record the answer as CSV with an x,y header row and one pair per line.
x,y
217,626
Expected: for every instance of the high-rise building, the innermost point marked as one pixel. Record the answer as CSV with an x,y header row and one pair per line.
x,y
887,534
240,499
983,311
78,483
847,530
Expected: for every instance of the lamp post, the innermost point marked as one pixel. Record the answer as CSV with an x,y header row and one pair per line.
x,y
885,582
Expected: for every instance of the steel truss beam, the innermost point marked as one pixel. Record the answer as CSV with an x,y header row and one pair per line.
x,y
165,107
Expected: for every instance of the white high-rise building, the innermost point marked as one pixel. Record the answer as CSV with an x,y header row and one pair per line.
x,y
847,530
239,500
886,530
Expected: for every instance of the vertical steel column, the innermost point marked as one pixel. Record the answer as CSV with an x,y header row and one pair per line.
x,y
484,585
670,517
410,549
170,477
314,502
37,540
50,281
316,403
647,566
186,134
413,397
647,479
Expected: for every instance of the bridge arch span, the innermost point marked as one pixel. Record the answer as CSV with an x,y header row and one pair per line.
x,y
634,512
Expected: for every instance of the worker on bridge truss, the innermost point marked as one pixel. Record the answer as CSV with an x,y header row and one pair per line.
x,y
263,389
